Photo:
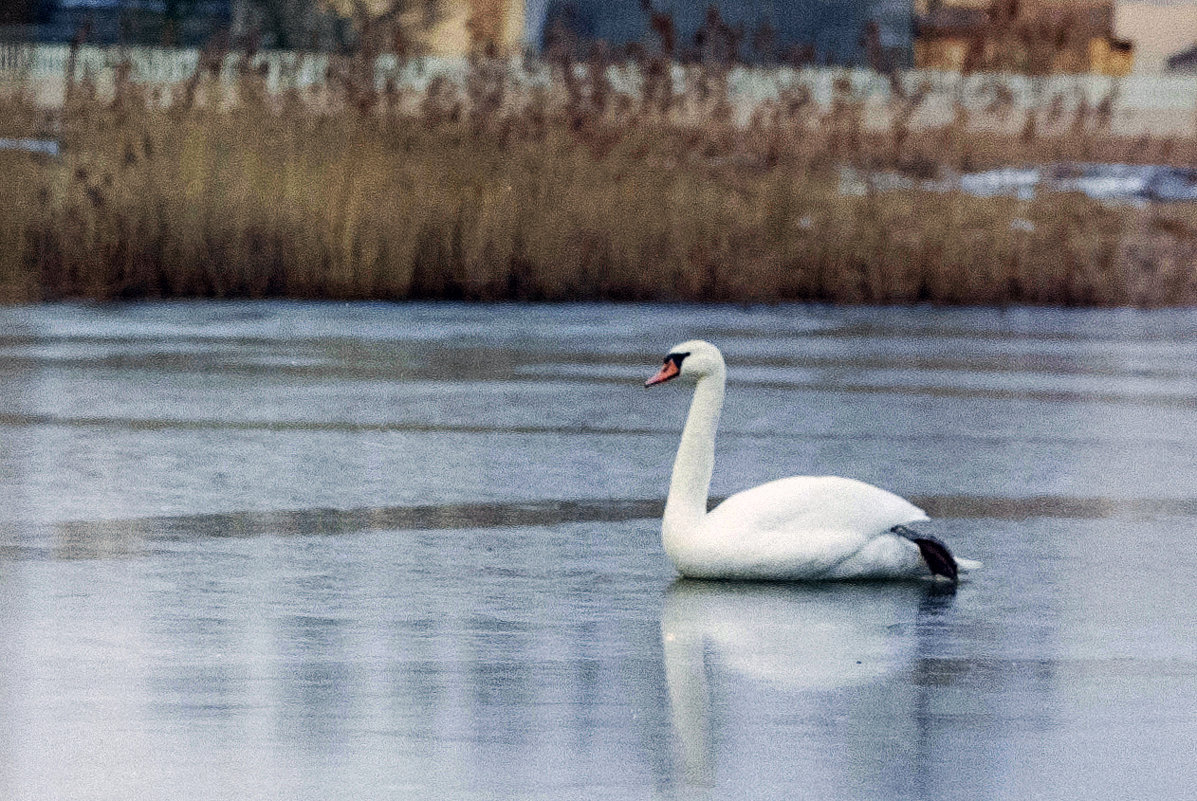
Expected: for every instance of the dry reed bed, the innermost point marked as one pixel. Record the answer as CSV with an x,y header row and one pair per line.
x,y
493,191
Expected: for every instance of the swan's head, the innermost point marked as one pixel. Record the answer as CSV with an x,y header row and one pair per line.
x,y
693,359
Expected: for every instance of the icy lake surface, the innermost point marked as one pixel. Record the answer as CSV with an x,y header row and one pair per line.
x,y
286,551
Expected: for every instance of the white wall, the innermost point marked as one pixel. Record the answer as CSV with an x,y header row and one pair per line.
x,y
1169,101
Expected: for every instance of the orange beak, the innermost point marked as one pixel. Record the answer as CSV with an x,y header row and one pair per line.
x,y
668,370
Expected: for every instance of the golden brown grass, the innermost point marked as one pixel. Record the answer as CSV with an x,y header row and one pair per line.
x,y
497,191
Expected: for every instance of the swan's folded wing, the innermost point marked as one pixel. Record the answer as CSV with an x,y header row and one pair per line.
x,y
798,528
809,503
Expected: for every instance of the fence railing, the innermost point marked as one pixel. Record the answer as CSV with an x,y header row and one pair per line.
x,y
152,65
15,57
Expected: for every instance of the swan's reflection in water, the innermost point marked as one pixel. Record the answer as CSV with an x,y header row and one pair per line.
x,y
800,641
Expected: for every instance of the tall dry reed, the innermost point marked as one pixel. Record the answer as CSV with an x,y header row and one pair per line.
x,y
504,189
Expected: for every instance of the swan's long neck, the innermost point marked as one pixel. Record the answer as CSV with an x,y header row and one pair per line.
x,y
687,502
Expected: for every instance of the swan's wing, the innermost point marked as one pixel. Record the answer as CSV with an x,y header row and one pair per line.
x,y
800,528
811,503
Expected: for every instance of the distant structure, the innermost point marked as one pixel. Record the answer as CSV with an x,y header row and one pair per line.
x,y
1158,30
856,32
181,22
17,12
18,20
1023,36
1184,61
439,27
453,27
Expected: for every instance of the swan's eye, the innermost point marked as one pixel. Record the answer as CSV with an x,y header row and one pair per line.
x,y
676,358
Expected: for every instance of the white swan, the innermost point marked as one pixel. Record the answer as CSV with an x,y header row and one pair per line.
x,y
798,528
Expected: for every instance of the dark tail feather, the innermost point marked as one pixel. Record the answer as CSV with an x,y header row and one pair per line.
x,y
935,553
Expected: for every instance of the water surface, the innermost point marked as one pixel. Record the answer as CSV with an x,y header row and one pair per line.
x,y
291,551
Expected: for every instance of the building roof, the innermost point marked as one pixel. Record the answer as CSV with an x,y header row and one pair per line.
x,y
1158,31
967,18
1185,60
947,20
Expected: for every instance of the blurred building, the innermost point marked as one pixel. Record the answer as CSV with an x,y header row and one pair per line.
x,y
183,22
450,27
17,12
444,27
1023,36
1184,61
851,32
845,32
1159,32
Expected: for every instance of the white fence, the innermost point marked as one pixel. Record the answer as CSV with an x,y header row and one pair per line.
x,y
1133,93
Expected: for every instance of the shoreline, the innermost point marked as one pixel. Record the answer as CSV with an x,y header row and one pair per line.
x,y
573,192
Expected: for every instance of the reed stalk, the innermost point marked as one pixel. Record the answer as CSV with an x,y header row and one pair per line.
x,y
577,189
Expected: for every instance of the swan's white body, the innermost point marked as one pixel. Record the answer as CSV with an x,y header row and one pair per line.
x,y
803,527
798,528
